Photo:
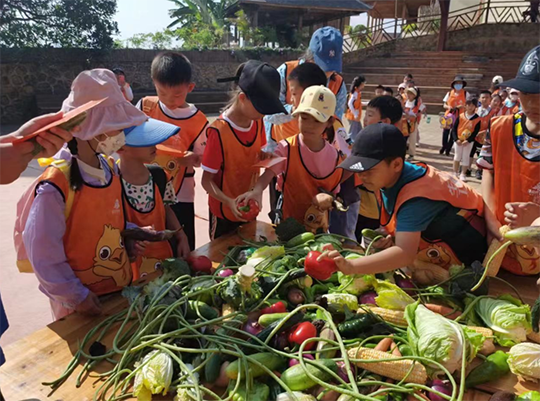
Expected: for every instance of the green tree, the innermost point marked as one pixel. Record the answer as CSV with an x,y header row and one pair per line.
x,y
158,40
208,12
58,23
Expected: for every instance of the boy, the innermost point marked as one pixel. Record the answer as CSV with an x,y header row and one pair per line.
x,y
387,110
515,172
171,74
485,113
388,91
379,90
466,128
434,217
124,86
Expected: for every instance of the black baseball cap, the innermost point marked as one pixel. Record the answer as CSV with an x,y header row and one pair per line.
x,y
261,83
527,79
373,144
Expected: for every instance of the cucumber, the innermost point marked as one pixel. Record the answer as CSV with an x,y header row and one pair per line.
x,y
370,234
204,310
269,318
212,368
297,380
268,359
299,240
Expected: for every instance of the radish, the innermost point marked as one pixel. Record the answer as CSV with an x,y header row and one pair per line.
x,y
225,273
441,387
293,362
368,298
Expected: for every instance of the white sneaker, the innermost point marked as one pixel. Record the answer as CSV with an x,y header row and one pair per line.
x,y
463,177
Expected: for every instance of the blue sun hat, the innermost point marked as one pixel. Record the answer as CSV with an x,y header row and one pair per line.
x,y
150,133
327,47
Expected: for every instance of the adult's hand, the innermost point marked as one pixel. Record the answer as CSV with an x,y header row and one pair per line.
x,y
91,306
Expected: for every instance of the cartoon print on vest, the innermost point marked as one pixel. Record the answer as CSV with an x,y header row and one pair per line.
x,y
525,258
169,163
149,269
316,219
534,192
435,254
111,257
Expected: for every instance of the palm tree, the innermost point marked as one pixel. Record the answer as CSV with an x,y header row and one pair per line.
x,y
209,12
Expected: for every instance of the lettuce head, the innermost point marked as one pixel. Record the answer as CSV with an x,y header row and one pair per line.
x,y
389,295
154,377
524,361
354,284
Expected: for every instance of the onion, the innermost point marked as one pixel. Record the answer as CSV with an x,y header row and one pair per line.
x,y
293,362
368,298
342,371
252,327
405,284
441,387
296,296
225,273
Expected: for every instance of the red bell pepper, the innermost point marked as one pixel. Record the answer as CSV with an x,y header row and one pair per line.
x,y
200,264
278,307
249,211
319,270
301,333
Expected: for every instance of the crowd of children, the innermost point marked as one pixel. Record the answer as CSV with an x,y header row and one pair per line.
x,y
70,221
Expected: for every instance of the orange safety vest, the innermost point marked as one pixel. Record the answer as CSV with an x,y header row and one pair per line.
x,y
456,100
237,175
516,179
335,81
438,186
506,111
283,131
289,66
408,126
92,241
300,186
155,252
190,130
466,127
357,105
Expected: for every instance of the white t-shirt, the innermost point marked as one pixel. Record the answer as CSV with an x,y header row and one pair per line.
x,y
410,105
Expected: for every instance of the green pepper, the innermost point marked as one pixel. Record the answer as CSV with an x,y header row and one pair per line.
x,y
494,367
312,291
405,350
259,392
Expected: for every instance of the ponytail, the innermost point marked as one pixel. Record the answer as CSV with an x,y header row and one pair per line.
x,y
330,133
75,177
357,81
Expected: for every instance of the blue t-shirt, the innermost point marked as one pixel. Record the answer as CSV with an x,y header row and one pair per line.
x,y
416,214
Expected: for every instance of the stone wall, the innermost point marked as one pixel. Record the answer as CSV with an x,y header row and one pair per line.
x,y
30,75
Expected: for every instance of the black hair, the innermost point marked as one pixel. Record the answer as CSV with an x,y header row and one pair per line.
x,y
388,106
409,76
486,92
171,69
308,74
75,177
118,71
380,87
496,95
357,81
473,101
390,90
330,133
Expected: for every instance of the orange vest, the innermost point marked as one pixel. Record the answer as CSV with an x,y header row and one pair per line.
x,y
466,127
190,130
506,111
289,66
283,131
334,81
237,175
456,100
516,179
437,186
155,252
408,126
92,242
300,186
357,106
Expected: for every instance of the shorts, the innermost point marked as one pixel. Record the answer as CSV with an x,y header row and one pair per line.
x,y
463,153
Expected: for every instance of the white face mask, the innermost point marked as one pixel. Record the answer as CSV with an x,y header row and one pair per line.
x,y
111,144
514,98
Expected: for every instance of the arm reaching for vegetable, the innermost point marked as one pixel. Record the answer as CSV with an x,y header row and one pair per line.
x,y
256,193
400,255
213,190
521,214
172,223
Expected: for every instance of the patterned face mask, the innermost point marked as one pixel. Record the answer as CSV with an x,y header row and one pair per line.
x,y
111,144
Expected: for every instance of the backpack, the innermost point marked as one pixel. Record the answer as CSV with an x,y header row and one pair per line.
x,y
160,178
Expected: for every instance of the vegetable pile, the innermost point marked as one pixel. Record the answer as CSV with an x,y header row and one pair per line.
x,y
271,322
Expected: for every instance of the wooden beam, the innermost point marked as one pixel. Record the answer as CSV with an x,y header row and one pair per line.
x,y
445,7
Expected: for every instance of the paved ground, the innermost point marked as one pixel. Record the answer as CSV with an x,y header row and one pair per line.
x,y
28,309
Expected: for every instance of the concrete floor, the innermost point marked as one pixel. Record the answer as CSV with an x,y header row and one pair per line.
x,y
28,309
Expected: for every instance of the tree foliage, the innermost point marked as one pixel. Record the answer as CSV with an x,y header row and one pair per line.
x,y
57,23
208,12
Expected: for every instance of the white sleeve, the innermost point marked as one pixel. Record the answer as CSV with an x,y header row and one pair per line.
x,y
351,101
340,141
446,97
128,92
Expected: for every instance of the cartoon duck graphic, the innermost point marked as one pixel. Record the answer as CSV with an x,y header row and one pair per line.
x,y
169,164
524,259
437,255
149,269
111,259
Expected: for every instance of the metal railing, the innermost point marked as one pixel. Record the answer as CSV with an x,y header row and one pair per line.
x,y
489,12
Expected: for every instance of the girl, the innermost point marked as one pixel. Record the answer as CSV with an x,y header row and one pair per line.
x,y
511,104
311,160
73,232
466,128
453,103
354,110
496,103
412,111
149,193
235,141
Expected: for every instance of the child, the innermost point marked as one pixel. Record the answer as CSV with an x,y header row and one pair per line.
x,y
311,161
453,103
485,161
496,104
466,128
148,194
388,91
485,113
412,112
354,111
433,217
511,104
514,143
407,78
496,84
72,234
401,96
124,86
171,74
387,110
379,90
235,141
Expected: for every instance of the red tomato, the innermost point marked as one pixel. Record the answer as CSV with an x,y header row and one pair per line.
x,y
278,307
200,264
250,211
301,333
319,270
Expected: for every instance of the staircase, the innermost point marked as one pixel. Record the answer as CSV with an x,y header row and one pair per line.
x,y
433,72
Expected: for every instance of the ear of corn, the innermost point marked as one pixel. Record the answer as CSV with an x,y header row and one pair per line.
x,y
407,370
396,317
534,337
488,347
426,273
495,265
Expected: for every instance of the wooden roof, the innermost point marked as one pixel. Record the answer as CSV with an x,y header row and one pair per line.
x,y
355,6
387,8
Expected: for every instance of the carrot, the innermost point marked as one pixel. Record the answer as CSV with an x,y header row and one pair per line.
x,y
384,344
395,350
443,310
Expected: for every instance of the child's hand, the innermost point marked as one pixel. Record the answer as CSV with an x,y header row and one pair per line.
x,y
91,306
190,159
521,214
253,194
343,265
384,243
183,250
231,203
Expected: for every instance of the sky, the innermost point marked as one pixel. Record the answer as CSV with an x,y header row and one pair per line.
x,y
145,16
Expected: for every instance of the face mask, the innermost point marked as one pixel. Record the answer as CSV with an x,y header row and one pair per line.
x,y
508,102
111,144
514,98
458,87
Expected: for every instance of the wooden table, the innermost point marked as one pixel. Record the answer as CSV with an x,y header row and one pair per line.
x,y
43,355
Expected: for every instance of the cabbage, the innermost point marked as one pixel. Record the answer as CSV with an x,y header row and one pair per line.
x,y
509,319
435,337
154,377
524,361
354,284
338,302
389,295
262,257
